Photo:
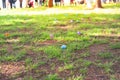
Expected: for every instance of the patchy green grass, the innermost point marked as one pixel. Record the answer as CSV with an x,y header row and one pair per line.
x,y
106,55
26,40
115,45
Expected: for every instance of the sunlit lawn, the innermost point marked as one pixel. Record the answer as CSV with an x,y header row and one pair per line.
x,y
30,45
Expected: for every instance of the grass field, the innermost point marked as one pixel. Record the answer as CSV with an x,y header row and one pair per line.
x,y
31,40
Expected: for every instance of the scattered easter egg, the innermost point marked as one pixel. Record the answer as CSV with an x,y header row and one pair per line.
x,y
51,36
63,47
71,21
6,34
78,32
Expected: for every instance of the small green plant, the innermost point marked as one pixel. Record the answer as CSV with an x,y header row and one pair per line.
x,y
28,61
65,56
76,78
83,71
106,55
107,67
17,47
100,41
32,65
115,45
83,55
13,56
20,55
29,78
52,77
7,58
86,63
112,77
66,67
52,51
3,51
78,45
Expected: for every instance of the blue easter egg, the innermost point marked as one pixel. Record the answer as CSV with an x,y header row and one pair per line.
x,y
78,33
63,47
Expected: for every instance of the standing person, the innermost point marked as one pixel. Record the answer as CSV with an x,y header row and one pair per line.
x,y
57,2
71,2
10,1
4,3
62,2
13,3
30,3
27,3
41,2
20,3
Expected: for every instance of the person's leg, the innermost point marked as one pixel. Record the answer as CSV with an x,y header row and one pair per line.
x,y
10,5
40,2
14,5
20,4
32,5
4,3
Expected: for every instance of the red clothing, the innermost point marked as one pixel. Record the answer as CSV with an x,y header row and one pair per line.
x,y
30,3
71,1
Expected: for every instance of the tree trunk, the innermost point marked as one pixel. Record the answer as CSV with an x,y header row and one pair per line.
x,y
98,4
50,3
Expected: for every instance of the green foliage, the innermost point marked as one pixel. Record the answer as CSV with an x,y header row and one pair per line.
x,y
83,71
76,78
13,57
52,51
112,77
29,78
78,45
107,67
66,67
86,63
100,41
3,51
83,55
28,61
106,55
20,55
52,77
115,45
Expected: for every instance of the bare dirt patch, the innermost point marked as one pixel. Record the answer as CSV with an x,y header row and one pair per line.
x,y
11,69
47,42
97,73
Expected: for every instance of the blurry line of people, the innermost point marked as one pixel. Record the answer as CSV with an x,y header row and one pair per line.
x,y
32,3
10,3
